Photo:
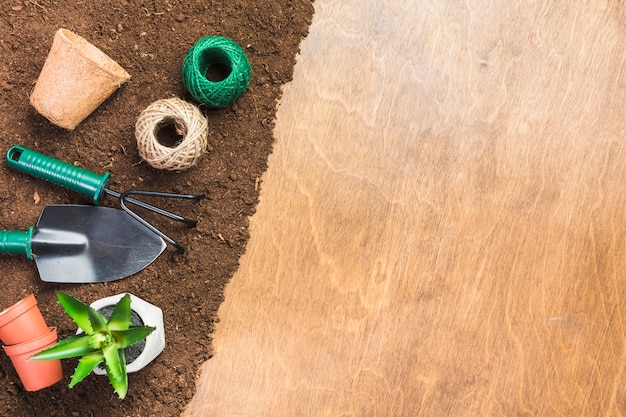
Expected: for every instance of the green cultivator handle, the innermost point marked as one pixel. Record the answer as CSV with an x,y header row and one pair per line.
x,y
16,242
58,172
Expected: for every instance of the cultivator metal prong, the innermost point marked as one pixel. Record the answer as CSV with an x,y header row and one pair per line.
x,y
125,198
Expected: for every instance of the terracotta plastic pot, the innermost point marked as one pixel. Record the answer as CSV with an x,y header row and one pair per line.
x,y
22,322
35,375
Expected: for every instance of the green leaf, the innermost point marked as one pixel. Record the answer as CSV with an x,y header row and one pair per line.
x,y
97,320
77,310
134,334
115,363
67,348
120,317
86,364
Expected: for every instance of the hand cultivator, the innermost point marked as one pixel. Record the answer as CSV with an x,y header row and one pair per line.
x,y
94,186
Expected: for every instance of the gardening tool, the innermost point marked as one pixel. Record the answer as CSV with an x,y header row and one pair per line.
x,y
93,185
84,244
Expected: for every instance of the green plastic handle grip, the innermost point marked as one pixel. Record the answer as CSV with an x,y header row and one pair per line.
x,y
58,172
16,242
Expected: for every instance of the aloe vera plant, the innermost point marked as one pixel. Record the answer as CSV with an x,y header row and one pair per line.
x,y
102,340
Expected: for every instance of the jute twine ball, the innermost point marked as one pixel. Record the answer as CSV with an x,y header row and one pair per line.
x,y
188,122
211,52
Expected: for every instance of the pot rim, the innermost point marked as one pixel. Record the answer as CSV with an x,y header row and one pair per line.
x,y
12,312
32,345
93,54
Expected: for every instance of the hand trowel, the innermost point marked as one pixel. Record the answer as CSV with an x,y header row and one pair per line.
x,y
84,244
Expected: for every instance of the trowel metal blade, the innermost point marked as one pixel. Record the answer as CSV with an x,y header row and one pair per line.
x,y
87,244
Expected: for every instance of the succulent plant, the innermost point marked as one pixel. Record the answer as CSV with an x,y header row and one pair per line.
x,y
102,340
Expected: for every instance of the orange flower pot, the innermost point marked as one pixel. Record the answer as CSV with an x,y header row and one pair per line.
x,y
35,375
22,322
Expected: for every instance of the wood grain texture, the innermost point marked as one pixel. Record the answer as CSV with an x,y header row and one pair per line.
x,y
442,227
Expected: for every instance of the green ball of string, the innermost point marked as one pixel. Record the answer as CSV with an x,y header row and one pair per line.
x,y
216,54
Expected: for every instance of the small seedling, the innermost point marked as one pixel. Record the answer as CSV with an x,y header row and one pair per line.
x,y
102,341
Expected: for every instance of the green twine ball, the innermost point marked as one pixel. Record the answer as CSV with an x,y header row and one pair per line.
x,y
222,53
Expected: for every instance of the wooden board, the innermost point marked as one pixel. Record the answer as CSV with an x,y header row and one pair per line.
x,y
442,227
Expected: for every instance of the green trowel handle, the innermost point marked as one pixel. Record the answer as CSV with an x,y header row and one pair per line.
x,y
16,242
58,172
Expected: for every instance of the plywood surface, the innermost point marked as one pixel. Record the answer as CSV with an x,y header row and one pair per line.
x,y
442,227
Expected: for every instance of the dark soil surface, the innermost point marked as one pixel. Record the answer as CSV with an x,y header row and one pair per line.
x,y
149,38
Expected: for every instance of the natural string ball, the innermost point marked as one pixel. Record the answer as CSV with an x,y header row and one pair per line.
x,y
216,53
187,121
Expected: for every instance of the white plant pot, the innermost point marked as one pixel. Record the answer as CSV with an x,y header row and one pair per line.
x,y
151,315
